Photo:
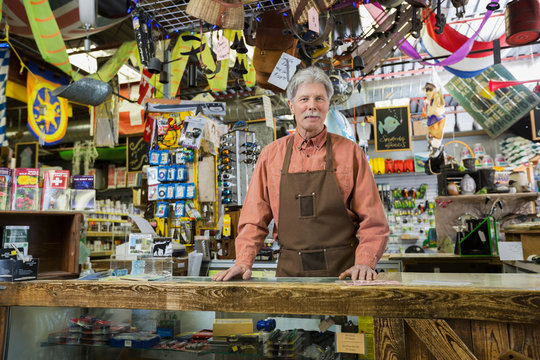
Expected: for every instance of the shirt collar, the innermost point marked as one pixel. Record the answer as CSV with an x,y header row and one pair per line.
x,y
318,141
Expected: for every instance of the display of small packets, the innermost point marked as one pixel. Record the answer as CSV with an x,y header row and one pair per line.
x,y
190,190
162,191
83,199
164,157
152,192
162,173
152,175
180,191
170,191
25,189
179,209
154,157
5,181
56,192
162,209
171,173
181,173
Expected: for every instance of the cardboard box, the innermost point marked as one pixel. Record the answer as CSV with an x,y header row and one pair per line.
x,y
226,327
530,244
17,270
180,266
419,127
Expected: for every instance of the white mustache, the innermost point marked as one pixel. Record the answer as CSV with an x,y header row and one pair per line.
x,y
318,114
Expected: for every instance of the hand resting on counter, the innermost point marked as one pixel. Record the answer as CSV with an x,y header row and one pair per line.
x,y
237,270
359,272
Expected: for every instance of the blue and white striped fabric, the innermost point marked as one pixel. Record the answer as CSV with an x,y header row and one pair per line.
x,y
4,66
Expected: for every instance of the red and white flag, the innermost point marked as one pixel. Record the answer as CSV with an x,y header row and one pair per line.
x,y
145,87
148,129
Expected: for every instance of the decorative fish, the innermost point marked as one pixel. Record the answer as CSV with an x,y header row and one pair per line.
x,y
389,124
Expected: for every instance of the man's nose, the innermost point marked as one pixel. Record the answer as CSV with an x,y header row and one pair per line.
x,y
312,103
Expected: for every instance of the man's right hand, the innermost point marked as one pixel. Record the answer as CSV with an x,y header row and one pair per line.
x,y
237,270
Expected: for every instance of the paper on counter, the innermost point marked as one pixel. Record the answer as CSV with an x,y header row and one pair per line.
x,y
372,282
144,226
510,250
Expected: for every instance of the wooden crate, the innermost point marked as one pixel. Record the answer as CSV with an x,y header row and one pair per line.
x,y
53,238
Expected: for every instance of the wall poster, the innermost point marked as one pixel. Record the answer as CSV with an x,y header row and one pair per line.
x,y
26,155
136,153
392,128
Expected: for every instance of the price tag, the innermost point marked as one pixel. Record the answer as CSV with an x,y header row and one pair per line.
x,y
313,20
267,106
284,71
222,48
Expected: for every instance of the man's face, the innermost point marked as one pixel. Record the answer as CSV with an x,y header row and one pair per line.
x,y
310,106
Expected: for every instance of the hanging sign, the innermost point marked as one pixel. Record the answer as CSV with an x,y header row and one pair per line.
x,y
47,114
136,153
392,129
495,110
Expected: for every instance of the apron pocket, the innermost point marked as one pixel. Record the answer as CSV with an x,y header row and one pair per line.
x,y
307,205
313,260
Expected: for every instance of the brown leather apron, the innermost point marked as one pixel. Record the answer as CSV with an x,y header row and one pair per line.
x,y
316,234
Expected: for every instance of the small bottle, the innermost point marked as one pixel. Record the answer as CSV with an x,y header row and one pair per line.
x,y
86,268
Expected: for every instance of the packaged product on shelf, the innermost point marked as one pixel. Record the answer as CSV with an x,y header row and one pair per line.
x,y
25,189
192,131
16,235
55,190
5,181
133,179
83,195
121,177
111,176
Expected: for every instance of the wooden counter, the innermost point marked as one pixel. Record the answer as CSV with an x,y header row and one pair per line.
x,y
450,316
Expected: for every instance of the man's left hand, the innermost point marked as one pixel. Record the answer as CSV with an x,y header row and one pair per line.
x,y
359,272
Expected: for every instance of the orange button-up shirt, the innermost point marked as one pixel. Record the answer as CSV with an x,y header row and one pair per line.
x,y
355,182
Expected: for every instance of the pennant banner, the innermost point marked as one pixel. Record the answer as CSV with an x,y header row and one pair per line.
x,y
4,67
47,114
130,114
47,34
111,67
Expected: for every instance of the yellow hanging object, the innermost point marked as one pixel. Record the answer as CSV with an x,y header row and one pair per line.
x,y
161,228
227,225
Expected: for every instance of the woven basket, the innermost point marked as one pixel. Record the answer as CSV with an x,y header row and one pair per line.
x,y
227,14
311,3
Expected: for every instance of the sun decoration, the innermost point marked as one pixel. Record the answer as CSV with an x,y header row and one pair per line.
x,y
48,119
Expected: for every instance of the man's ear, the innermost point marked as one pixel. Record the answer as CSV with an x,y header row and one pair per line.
x,y
290,106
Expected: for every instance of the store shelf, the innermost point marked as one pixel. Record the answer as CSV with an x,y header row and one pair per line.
x,y
493,196
101,253
107,220
458,134
99,234
404,174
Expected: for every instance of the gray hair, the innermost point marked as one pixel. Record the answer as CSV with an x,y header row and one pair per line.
x,y
310,75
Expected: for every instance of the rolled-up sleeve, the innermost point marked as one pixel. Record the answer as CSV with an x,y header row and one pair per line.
x,y
373,230
256,214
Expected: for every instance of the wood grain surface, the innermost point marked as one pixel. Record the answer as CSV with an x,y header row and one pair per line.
x,y
440,339
389,339
392,301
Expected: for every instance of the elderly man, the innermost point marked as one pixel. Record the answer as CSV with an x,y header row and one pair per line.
x,y
321,193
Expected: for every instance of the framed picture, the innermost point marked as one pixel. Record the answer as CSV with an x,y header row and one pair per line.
x,y
392,128
26,155
136,153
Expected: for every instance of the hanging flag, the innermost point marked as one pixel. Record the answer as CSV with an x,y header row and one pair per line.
x,y
131,114
47,34
145,87
148,129
47,114
4,67
111,67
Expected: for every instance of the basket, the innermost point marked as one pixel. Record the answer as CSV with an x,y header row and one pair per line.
x,y
311,3
227,14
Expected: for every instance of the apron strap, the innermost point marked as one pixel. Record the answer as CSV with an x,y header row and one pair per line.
x,y
288,154
329,155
